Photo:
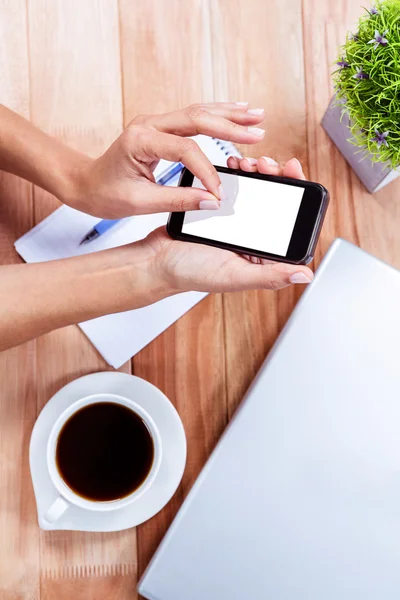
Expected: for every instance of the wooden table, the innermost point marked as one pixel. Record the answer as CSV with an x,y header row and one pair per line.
x,y
81,70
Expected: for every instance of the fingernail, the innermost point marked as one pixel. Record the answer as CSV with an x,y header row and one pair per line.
x,y
256,131
270,161
241,103
209,205
255,111
297,162
251,161
299,277
221,192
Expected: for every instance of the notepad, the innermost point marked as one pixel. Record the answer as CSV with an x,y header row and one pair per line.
x,y
119,336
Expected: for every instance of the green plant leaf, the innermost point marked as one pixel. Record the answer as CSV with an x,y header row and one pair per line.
x,y
373,104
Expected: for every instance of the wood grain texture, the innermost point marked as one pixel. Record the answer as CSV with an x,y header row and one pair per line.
x,y
246,37
19,549
166,55
75,71
76,96
187,362
81,70
370,221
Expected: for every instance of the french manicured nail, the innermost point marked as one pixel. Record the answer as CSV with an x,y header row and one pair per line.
x,y
297,162
256,131
252,161
221,192
241,103
256,111
270,161
209,205
299,277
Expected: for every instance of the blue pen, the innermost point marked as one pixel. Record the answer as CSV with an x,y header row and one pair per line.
x,y
106,224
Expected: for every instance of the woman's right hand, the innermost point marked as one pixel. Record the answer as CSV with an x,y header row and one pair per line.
x,y
120,183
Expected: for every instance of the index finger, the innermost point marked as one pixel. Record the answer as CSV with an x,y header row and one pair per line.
x,y
231,124
149,143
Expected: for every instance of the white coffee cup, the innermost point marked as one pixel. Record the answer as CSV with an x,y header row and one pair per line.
x,y
66,495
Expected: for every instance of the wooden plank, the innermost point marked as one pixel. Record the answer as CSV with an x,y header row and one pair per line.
x,y
19,556
166,55
76,96
247,38
166,64
187,364
370,221
75,71
325,162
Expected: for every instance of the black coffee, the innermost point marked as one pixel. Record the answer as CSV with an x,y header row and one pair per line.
x,y
104,452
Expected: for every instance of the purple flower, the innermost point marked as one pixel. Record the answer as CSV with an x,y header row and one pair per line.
x,y
373,11
360,74
380,138
343,64
379,39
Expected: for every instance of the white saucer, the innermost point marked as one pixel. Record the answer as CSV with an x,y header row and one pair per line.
x,y
172,465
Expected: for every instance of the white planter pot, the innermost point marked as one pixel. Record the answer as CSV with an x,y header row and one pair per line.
x,y
373,175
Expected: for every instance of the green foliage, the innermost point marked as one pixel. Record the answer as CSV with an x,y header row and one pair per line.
x,y
373,103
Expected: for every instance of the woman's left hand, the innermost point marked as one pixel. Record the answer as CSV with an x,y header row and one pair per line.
x,y
183,266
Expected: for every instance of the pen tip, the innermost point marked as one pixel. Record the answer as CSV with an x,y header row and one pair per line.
x,y
92,235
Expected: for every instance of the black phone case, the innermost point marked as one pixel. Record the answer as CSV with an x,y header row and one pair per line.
x,y
309,255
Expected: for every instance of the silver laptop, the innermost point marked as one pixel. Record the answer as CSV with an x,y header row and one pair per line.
x,y
301,498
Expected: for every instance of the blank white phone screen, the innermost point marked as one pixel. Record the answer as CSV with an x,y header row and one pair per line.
x,y
254,214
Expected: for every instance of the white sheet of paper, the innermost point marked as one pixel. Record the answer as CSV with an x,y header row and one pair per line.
x,y
119,336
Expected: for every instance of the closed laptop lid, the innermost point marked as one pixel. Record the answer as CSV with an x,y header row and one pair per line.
x,y
301,498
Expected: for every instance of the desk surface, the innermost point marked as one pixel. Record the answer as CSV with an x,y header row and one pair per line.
x,y
81,71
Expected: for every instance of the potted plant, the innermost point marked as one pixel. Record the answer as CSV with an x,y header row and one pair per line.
x,y
363,119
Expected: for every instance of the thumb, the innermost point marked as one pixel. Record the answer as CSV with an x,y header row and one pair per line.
x,y
154,198
271,276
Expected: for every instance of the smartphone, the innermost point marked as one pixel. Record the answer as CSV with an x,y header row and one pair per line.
x,y
270,217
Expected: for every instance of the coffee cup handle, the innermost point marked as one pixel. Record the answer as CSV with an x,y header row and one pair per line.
x,y
56,510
